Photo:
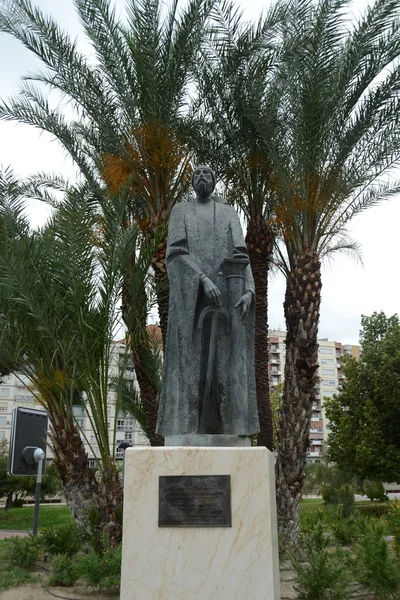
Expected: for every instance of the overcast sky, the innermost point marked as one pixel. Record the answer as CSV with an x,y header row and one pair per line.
x,y
349,289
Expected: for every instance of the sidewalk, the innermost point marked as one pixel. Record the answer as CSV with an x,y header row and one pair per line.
x,y
8,534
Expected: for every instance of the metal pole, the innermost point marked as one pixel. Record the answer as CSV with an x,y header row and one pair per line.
x,y
38,457
123,446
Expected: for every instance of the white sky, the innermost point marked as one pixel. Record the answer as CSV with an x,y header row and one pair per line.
x,y
349,290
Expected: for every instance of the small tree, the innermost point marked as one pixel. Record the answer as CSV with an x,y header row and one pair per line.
x,y
10,487
365,417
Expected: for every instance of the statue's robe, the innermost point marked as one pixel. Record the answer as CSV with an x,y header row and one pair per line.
x,y
233,406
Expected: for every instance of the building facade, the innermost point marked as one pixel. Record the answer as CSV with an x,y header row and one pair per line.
x,y
330,357
16,390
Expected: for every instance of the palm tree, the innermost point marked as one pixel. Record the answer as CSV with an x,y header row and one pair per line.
x,y
339,135
235,84
59,293
130,109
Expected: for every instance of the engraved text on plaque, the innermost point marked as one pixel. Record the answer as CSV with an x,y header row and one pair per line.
x,y
195,501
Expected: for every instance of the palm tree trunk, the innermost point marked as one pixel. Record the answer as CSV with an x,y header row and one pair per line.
x,y
302,309
82,491
162,286
148,393
259,247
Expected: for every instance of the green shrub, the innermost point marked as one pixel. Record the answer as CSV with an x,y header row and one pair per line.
x,y
65,570
347,530
371,510
375,567
102,572
325,575
374,490
23,552
329,493
346,499
65,539
343,495
393,519
309,520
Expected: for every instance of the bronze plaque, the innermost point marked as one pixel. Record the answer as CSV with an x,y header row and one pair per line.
x,y
195,501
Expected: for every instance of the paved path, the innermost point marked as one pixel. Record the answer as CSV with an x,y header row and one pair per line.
x,y
8,534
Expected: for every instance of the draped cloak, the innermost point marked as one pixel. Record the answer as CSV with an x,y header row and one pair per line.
x,y
233,402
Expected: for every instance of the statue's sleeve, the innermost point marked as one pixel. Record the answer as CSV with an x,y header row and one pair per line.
x,y
178,247
240,247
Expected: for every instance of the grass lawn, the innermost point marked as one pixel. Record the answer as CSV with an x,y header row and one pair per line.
x,y
11,576
21,519
309,504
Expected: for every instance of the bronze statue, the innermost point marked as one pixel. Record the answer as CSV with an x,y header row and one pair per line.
x,y
208,383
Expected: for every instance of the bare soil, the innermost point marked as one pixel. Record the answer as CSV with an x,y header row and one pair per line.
x,y
38,592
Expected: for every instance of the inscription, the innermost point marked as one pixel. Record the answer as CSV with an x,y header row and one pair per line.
x,y
195,501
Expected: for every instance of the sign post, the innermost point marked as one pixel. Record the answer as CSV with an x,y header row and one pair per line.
x,y
28,449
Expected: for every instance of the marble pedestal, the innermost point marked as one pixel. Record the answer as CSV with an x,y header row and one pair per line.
x,y
196,563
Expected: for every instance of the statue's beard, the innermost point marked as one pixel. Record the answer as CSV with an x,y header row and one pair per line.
x,y
203,188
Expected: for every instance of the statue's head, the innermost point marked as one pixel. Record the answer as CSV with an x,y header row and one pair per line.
x,y
203,181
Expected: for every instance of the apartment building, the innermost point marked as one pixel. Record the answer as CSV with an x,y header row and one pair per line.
x,y
330,356
16,390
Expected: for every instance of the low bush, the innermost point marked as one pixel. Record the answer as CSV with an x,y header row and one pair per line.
x,y
309,520
372,510
374,490
325,575
102,571
65,570
347,531
393,519
63,540
375,567
23,552
343,495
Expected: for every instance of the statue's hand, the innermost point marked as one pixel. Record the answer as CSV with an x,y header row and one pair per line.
x,y
244,303
211,291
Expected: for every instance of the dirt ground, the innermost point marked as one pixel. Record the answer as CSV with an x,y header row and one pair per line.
x,y
38,592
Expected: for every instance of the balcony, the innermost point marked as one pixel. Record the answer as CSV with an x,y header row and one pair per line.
x,y
274,361
314,454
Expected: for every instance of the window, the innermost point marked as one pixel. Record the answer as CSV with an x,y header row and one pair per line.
x,y
79,411
326,361
128,436
4,392
80,423
92,437
23,398
328,394
332,383
324,350
3,420
3,406
2,435
327,372
124,424
92,463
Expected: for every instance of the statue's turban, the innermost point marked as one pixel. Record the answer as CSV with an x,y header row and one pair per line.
x,y
204,167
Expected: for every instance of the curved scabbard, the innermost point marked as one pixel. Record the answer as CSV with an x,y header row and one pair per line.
x,y
216,311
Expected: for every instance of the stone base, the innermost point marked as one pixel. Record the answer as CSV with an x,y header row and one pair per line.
x,y
208,439
200,563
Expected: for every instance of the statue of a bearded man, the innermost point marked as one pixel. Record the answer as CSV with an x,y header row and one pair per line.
x,y
208,382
